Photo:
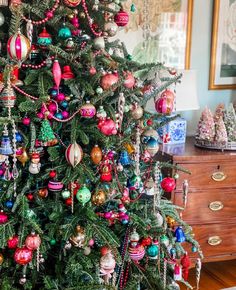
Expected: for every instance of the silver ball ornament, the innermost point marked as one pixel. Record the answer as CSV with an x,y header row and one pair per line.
x,y
111,28
99,43
22,280
87,251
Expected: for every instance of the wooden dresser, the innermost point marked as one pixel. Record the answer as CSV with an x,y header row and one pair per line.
x,y
211,206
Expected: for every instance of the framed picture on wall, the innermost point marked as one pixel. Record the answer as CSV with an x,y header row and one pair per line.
x,y
159,31
223,47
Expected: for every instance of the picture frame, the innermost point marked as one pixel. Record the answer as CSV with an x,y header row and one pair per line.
x,y
223,46
169,18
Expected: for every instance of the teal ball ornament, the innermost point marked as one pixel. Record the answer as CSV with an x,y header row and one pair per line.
x,y
65,194
152,146
83,195
64,32
194,249
152,251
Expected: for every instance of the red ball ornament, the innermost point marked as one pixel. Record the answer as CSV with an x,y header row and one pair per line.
x,y
104,250
26,121
3,218
92,71
109,80
107,127
168,94
23,256
68,201
33,241
52,173
147,241
164,105
12,243
129,81
18,47
121,18
30,197
72,3
168,184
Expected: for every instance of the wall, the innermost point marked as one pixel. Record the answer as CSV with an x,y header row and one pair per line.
x,y
200,60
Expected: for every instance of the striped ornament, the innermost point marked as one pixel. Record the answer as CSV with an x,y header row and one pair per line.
x,y
18,47
136,253
74,154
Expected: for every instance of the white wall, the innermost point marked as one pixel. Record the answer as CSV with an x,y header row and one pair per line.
x,y
200,60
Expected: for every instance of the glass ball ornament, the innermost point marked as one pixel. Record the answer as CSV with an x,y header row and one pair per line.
x,y
71,3
107,126
19,137
194,249
99,43
121,18
168,184
99,198
168,94
64,32
152,146
53,242
42,193
55,186
134,183
96,155
23,256
164,105
78,239
111,28
58,116
129,81
1,259
12,242
88,110
180,235
124,158
33,241
152,252
44,38
9,204
136,253
65,194
74,154
108,81
164,240
83,195
3,218
137,112
149,133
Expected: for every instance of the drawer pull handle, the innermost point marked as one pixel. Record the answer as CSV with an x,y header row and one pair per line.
x,y
214,241
218,176
216,206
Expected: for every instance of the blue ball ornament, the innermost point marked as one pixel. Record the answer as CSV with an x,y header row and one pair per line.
x,y
19,137
58,116
53,93
173,252
64,32
152,251
180,236
194,249
124,222
64,104
9,204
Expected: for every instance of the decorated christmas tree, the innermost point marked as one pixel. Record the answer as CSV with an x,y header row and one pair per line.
x,y
206,126
230,123
82,192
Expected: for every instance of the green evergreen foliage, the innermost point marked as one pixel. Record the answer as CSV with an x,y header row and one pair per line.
x,y
37,208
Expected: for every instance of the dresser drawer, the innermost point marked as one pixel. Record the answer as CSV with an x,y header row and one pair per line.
x,y
208,206
216,240
208,175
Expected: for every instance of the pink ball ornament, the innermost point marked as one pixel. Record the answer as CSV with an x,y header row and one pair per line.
x,y
129,81
40,115
109,80
52,107
168,184
1,171
49,14
107,127
88,110
121,18
26,121
12,243
92,71
164,105
136,253
3,218
107,215
91,242
18,47
33,241
168,94
23,256
65,114
60,97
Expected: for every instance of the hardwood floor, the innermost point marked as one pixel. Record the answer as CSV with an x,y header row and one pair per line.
x,y
215,276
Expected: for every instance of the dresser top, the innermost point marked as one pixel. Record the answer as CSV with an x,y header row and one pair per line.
x,y
189,153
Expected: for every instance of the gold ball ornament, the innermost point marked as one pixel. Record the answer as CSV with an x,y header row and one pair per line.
x,y
137,113
78,240
1,259
170,221
23,157
96,154
99,198
82,15
42,193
